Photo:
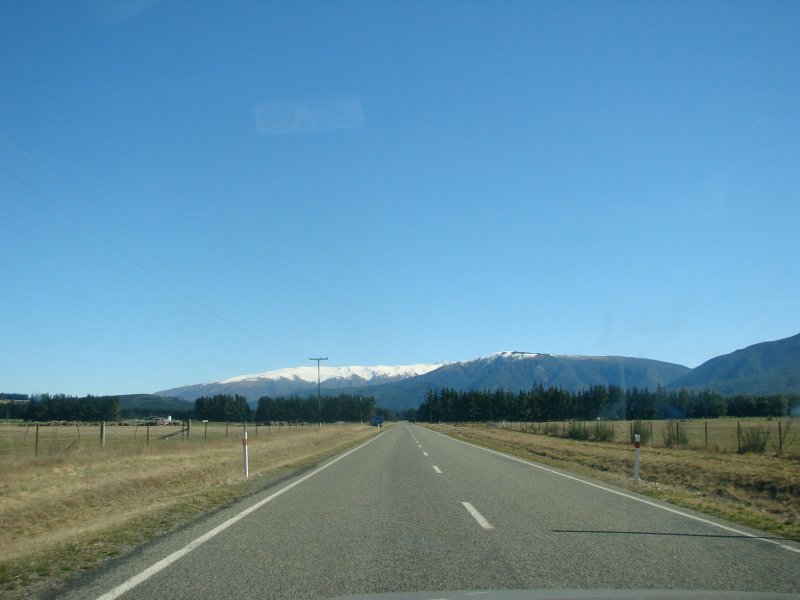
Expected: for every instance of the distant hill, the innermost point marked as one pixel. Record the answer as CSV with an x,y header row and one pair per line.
x,y
521,371
767,368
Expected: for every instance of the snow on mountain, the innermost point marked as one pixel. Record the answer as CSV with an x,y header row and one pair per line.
x,y
309,374
299,380
405,385
508,354
366,374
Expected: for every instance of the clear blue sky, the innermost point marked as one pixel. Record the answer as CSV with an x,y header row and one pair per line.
x,y
196,190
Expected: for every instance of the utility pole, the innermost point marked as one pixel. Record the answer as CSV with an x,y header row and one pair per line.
x,y
319,395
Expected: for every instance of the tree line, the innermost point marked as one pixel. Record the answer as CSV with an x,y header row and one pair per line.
x,y
61,407
344,407
600,401
537,404
221,407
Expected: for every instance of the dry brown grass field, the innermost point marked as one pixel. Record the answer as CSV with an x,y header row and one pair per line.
x,y
77,503
719,435
758,490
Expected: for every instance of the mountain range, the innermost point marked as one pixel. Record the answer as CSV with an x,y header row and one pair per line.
x,y
765,368
761,369
302,381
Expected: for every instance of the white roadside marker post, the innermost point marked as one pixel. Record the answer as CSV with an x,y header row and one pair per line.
x,y
636,442
245,458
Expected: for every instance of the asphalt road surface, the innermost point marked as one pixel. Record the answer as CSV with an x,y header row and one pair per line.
x,y
414,510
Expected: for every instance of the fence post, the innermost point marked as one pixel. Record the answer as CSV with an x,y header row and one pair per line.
x,y
36,450
147,429
636,442
705,427
226,428
102,434
738,436
780,439
79,430
245,458
188,428
205,430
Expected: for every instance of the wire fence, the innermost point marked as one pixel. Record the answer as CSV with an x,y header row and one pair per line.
x,y
40,439
777,436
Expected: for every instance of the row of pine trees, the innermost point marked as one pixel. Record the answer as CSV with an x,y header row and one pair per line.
x,y
596,402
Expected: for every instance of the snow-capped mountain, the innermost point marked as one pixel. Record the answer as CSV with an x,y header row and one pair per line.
x,y
506,354
405,386
298,380
367,374
772,366
516,371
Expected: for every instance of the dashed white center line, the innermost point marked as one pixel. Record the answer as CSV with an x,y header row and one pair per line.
x,y
425,453
477,516
437,469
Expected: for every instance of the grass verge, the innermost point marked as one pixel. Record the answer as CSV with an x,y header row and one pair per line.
x,y
754,490
67,512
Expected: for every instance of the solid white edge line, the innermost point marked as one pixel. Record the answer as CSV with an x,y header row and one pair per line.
x,y
625,495
477,516
178,554
437,469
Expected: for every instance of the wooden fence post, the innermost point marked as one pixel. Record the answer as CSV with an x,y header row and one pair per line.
x,y
102,434
738,436
36,450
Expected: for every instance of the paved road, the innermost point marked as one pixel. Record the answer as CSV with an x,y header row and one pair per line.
x,y
414,510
